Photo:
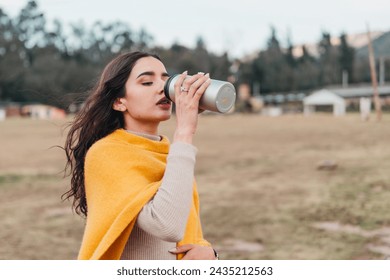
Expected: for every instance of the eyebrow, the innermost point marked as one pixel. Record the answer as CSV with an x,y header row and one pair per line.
x,y
151,73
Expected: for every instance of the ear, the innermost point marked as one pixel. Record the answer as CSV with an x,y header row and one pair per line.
x,y
119,105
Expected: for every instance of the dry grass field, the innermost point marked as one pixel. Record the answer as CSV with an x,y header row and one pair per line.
x,y
262,193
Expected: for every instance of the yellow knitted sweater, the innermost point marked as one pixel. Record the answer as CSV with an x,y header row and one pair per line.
x,y
123,171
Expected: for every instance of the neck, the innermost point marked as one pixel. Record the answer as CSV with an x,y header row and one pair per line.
x,y
146,128
148,136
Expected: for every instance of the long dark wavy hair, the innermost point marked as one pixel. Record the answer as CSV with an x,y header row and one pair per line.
x,y
95,120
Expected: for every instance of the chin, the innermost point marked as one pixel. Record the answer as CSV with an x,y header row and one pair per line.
x,y
167,115
165,118
161,117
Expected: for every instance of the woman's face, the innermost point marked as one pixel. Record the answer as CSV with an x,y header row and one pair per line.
x,y
145,102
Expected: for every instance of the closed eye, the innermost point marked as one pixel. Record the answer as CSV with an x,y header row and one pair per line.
x,y
147,83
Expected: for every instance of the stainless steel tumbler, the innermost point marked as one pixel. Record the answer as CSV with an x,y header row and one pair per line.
x,y
220,96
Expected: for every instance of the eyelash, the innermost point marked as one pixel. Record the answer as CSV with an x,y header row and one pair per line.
x,y
147,83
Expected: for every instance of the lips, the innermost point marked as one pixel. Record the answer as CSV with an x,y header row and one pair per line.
x,y
163,100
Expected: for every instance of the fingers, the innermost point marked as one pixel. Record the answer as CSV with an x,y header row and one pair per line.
x,y
193,85
196,84
179,82
195,252
193,82
182,249
204,83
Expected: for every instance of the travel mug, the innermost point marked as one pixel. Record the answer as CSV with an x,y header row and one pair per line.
x,y
220,96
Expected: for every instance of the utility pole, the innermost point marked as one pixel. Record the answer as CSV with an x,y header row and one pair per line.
x,y
377,101
381,71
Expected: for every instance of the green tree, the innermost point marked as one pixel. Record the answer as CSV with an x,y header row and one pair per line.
x,y
144,39
201,58
12,63
220,66
307,72
290,68
271,68
347,57
30,24
40,65
329,61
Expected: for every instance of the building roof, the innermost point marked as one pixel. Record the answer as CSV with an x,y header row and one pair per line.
x,y
361,91
323,97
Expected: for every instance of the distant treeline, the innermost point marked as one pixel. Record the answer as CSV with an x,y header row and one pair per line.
x,y
59,66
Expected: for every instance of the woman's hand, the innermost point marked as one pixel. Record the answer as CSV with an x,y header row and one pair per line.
x,y
187,95
194,252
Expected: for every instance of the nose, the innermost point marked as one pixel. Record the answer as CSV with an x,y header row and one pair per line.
x,y
161,86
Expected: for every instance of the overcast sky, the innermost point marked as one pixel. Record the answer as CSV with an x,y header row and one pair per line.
x,y
239,27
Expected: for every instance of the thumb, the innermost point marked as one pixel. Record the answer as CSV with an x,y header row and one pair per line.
x,y
181,249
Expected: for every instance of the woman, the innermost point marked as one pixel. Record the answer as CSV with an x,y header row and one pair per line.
x,y
136,190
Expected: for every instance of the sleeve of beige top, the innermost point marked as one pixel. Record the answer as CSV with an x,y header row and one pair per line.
x,y
165,215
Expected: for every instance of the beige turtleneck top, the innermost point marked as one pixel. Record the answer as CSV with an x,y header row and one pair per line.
x,y
161,223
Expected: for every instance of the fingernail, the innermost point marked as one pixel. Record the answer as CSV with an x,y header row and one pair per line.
x,y
173,250
200,73
207,75
185,72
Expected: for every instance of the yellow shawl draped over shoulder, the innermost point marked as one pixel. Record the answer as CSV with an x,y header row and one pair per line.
x,y
123,172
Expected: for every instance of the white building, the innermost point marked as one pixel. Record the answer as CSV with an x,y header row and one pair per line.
x,y
2,114
324,99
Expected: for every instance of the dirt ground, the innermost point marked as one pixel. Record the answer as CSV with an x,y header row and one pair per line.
x,y
289,187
